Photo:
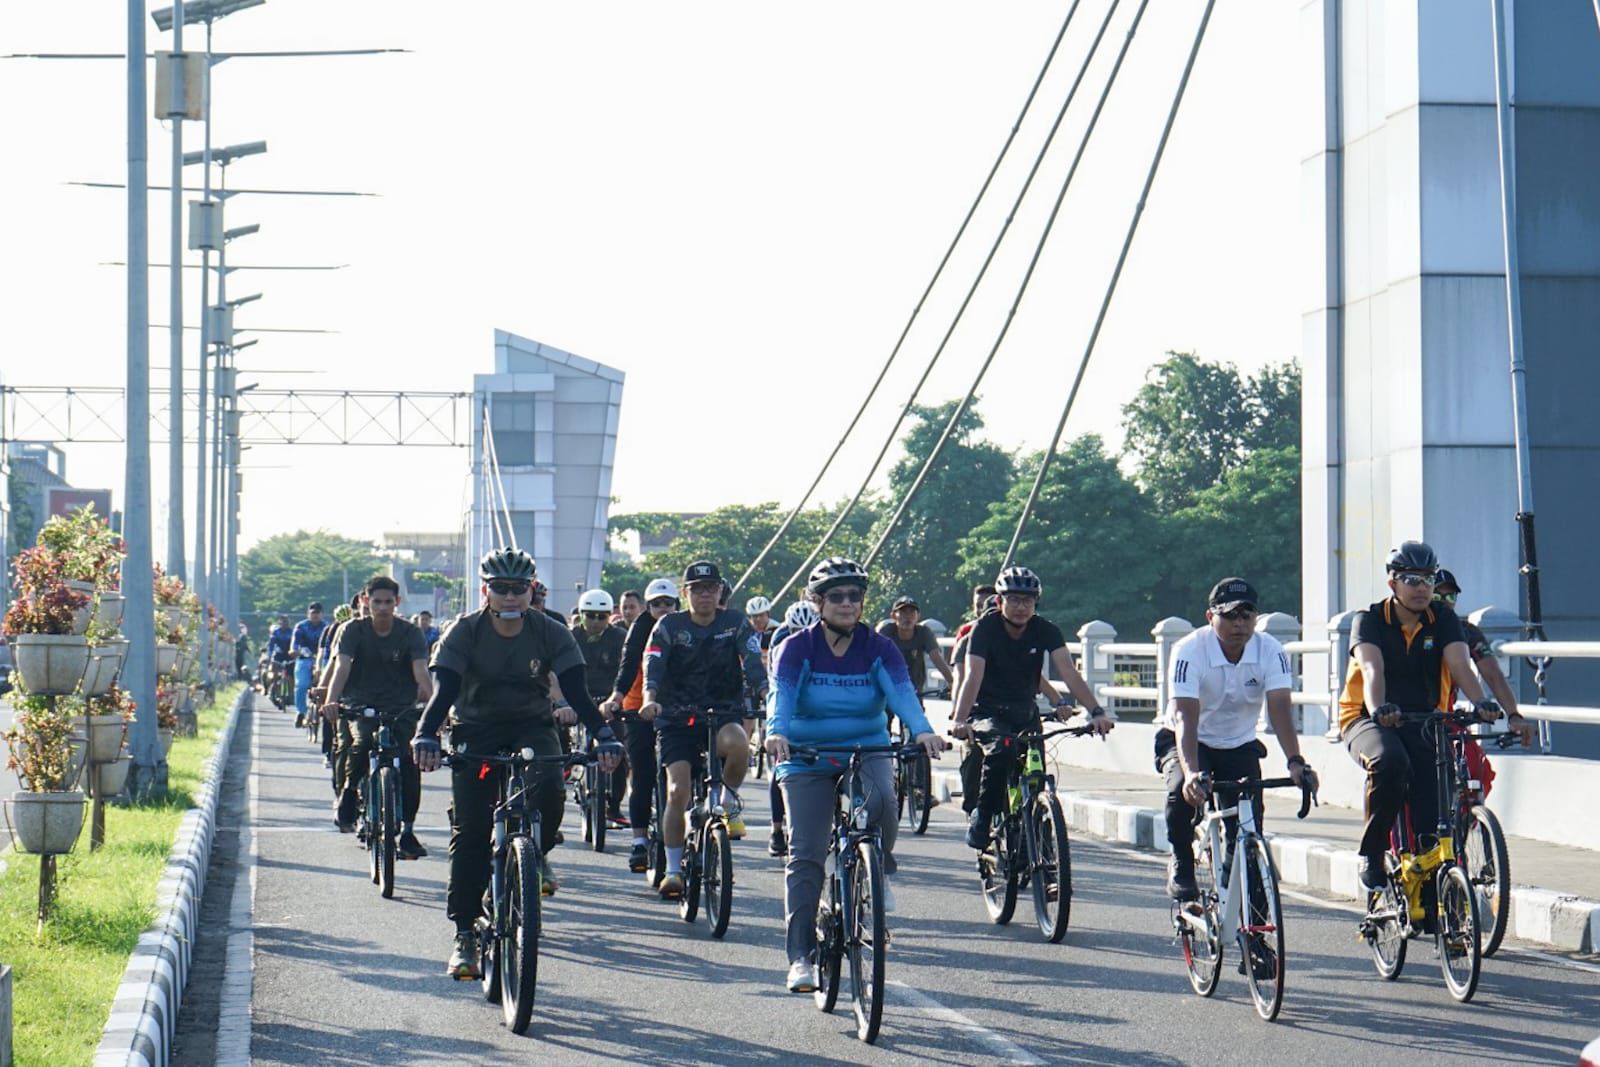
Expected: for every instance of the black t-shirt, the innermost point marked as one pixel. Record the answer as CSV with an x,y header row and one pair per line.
x,y
1413,663
505,681
1012,665
602,655
915,651
381,676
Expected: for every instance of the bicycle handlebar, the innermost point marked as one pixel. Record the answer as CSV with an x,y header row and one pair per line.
x,y
525,756
1247,786
809,753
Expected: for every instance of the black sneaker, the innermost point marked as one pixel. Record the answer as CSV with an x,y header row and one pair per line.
x,y
409,848
463,965
1261,963
639,859
778,843
1371,872
978,830
1180,880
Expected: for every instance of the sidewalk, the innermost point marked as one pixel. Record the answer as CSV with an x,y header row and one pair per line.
x,y
1556,889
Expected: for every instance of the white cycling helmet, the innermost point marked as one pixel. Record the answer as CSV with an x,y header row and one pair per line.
x,y
800,615
596,600
659,588
758,605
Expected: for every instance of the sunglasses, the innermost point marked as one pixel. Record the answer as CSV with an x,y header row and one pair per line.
x,y
596,615
1448,598
508,588
1414,579
662,602
1239,613
845,596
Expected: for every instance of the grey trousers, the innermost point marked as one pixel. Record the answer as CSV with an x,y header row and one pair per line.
x,y
809,802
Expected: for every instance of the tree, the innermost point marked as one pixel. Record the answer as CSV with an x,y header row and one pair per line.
x,y
283,574
1093,540
970,477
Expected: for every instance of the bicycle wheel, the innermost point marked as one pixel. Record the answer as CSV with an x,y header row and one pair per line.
x,y
689,903
519,952
1459,936
1385,929
919,798
1261,938
718,878
386,829
867,941
997,875
656,866
1482,853
1052,868
369,819
1199,926
830,948
599,796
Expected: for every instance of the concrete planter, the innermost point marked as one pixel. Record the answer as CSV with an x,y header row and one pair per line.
x,y
50,664
166,658
114,776
166,740
108,609
104,663
174,613
188,723
105,737
84,615
46,823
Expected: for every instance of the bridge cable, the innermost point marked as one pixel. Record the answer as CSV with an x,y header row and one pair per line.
x,y
983,271
495,490
1022,288
917,310
1111,288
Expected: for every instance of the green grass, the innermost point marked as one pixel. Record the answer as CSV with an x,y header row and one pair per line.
x,y
64,981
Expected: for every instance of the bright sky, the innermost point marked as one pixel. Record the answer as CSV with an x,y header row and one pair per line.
x,y
736,204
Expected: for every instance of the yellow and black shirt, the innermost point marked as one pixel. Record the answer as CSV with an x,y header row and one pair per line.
x,y
1414,673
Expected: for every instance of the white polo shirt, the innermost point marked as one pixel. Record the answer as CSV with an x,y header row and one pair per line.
x,y
1230,694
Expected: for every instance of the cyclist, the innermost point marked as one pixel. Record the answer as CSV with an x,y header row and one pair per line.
x,y
601,646
280,649
304,649
799,616
1400,648
1004,662
334,740
541,593
494,667
831,684
699,661
916,642
381,662
627,694
629,607
1219,676
430,632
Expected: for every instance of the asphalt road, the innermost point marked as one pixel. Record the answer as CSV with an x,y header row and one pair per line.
x,y
341,976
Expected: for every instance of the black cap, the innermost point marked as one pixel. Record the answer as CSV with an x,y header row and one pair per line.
x,y
1444,578
1231,593
315,605
701,570
905,601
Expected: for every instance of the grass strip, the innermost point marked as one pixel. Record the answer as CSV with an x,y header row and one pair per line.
x,y
64,982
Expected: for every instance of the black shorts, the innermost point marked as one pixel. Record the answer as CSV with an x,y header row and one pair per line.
x,y
677,741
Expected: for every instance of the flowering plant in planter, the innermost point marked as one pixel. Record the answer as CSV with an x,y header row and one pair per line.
x,y
116,701
169,589
166,707
51,611
168,632
86,545
40,744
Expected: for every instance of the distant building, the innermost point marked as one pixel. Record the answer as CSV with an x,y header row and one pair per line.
x,y
426,553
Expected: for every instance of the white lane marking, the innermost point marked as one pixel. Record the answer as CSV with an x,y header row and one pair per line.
x,y
1007,1051
1307,898
1546,957
238,975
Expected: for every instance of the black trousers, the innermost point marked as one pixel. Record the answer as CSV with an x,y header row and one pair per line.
x,y
1241,762
997,752
472,797
361,737
640,739
1400,770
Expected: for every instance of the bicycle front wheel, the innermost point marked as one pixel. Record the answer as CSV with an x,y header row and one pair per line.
x,y
830,947
1261,936
997,877
387,827
718,879
519,951
1459,937
689,902
866,940
1482,851
919,794
1052,868
599,797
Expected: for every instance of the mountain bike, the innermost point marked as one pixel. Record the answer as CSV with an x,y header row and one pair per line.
x,y
1401,911
1238,901
591,790
707,851
1480,843
850,916
913,779
381,793
758,747
1028,843
508,936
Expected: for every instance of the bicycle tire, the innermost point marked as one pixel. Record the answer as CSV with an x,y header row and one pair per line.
x,y
1459,937
388,829
997,876
367,818
1386,928
718,878
488,960
1262,939
921,792
689,902
1052,876
830,947
1482,853
656,846
867,942
519,952
599,796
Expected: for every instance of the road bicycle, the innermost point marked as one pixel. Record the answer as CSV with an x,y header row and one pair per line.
x,y
281,690
381,793
850,916
1028,843
1238,901
1480,843
1401,910
707,851
509,932
591,792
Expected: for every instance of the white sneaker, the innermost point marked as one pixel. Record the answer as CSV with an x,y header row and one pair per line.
x,y
802,977
888,895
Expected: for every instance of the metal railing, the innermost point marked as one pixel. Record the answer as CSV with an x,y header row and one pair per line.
x,y
1551,650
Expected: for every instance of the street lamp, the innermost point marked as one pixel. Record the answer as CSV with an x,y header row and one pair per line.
x,y
201,11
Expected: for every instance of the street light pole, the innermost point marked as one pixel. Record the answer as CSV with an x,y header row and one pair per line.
x,y
174,110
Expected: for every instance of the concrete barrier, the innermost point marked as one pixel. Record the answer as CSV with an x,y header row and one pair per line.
x,y
6,1054
144,1012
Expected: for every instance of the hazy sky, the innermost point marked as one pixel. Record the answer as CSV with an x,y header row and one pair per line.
x,y
736,204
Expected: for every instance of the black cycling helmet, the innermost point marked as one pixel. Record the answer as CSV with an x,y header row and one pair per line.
x,y
510,564
835,571
1412,556
1018,580
1444,579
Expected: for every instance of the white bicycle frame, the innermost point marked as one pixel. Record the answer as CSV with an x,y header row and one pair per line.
x,y
1213,830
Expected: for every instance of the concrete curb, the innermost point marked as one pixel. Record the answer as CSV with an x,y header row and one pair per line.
x,y
1559,920
144,1012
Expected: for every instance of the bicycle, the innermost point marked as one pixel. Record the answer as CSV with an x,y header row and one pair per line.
x,y
913,780
281,692
508,936
1028,842
1398,912
707,851
1480,843
591,790
382,795
850,918
758,747
1237,900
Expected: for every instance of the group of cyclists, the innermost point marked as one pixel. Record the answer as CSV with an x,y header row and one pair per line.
x,y
660,679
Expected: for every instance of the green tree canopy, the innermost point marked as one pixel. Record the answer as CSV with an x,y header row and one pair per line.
x,y
283,574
